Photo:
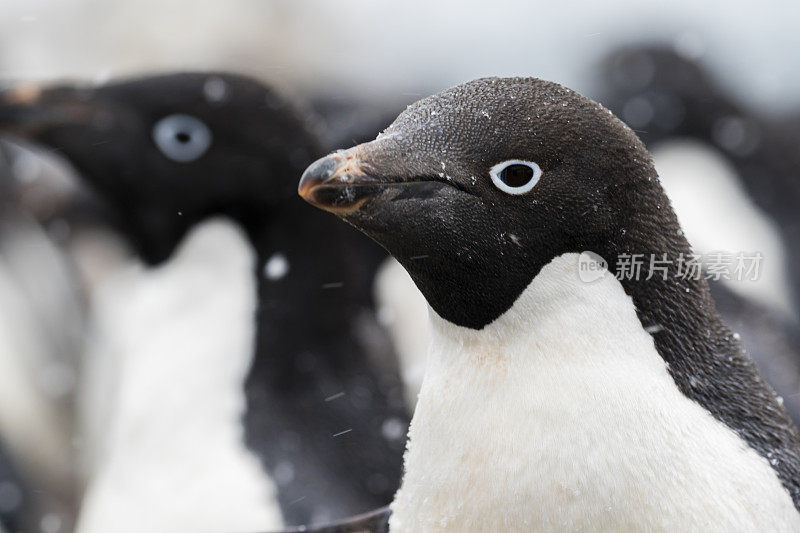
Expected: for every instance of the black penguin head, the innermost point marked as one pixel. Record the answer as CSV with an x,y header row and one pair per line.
x,y
475,189
167,151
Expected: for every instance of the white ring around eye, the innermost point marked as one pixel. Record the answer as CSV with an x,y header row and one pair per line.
x,y
495,171
182,138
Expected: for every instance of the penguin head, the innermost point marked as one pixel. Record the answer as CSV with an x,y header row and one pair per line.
x,y
167,151
475,189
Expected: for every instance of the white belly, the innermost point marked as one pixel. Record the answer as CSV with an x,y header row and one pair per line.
x,y
170,449
561,416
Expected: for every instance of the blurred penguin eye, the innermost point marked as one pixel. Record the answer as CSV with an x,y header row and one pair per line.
x,y
515,176
182,138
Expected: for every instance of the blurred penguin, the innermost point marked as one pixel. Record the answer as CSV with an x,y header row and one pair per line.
x,y
40,336
193,403
705,138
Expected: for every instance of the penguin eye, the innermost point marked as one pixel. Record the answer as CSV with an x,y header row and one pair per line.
x,y
515,176
182,138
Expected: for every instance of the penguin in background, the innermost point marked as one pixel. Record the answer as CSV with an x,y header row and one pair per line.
x,y
319,398
40,320
672,101
24,506
732,177
13,495
557,396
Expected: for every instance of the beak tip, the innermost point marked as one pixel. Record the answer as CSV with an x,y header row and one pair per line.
x,y
333,186
306,186
316,174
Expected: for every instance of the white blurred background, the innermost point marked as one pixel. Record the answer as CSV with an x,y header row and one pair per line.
x,y
373,49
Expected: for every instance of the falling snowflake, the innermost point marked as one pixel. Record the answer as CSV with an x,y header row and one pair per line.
x,y
276,267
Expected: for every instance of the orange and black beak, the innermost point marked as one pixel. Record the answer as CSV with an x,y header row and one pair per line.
x,y
344,181
339,183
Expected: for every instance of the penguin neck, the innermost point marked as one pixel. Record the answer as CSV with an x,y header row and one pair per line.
x,y
703,357
546,404
327,267
326,261
674,305
319,354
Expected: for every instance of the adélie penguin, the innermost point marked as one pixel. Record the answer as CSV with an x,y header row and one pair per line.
x,y
554,399
324,407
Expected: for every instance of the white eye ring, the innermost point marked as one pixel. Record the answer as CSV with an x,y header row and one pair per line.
x,y
182,138
496,173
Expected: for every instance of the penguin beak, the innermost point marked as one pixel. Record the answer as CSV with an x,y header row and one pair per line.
x,y
338,183
28,110
344,181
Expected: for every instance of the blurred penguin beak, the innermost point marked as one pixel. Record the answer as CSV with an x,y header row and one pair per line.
x,y
29,110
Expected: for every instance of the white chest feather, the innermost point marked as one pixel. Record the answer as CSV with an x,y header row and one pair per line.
x,y
561,416
178,341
